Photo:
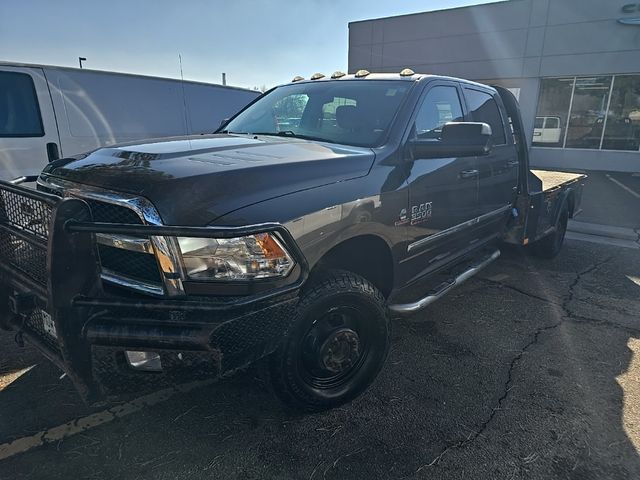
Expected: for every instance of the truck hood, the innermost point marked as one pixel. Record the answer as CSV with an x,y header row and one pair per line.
x,y
194,180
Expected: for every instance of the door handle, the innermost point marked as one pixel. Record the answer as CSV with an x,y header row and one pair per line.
x,y
469,173
52,151
513,163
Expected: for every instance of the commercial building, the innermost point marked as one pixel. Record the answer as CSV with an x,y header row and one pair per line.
x,y
574,64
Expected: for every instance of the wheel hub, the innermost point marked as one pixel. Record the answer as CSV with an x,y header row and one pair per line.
x,y
340,351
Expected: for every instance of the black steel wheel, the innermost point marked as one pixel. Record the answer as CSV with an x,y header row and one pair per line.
x,y
550,246
336,346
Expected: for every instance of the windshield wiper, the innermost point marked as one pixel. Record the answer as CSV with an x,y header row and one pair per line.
x,y
291,133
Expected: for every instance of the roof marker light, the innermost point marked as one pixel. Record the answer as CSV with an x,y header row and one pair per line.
x,y
297,78
362,73
338,74
407,72
317,76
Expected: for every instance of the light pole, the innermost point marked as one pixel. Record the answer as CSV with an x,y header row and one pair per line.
x,y
80,60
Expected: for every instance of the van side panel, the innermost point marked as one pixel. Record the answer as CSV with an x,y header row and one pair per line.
x,y
98,109
208,105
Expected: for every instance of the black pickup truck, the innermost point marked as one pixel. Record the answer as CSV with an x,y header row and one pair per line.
x,y
292,235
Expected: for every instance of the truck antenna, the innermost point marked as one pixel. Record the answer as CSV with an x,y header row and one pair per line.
x,y
184,101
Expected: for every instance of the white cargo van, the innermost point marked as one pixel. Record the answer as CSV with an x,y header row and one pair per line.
x,y
52,112
547,131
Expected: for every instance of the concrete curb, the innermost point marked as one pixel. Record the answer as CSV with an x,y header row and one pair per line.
x,y
616,242
599,230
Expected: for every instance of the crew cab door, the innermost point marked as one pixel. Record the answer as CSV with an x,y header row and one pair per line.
x,y
498,171
28,130
442,191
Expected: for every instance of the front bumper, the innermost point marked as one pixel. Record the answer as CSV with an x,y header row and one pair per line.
x,y
68,316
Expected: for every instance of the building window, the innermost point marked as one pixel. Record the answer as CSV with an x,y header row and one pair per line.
x,y
19,109
598,112
553,112
622,128
588,109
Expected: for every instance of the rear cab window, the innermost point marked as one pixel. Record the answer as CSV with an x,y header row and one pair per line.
x,y
484,108
329,121
19,109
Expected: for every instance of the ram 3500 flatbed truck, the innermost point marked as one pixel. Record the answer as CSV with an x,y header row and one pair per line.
x,y
291,236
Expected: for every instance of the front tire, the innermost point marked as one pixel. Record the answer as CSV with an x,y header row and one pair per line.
x,y
336,346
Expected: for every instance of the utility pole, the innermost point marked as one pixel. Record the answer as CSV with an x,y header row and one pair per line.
x,y
80,60
224,79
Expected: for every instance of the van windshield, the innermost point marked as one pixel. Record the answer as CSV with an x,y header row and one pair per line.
x,y
351,112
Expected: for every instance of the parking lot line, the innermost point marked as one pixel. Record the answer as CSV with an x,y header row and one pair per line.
x,y
623,186
82,424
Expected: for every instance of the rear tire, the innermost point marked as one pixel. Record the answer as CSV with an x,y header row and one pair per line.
x,y
336,346
550,246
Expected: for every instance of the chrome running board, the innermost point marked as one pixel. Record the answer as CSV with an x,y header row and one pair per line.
x,y
409,308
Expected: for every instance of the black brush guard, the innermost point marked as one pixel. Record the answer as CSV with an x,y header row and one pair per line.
x,y
49,267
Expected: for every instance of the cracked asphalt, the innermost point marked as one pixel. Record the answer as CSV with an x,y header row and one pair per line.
x,y
530,370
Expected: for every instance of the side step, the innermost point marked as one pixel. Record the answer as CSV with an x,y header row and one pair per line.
x,y
444,288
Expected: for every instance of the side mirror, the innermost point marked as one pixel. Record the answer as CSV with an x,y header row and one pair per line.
x,y
223,122
457,139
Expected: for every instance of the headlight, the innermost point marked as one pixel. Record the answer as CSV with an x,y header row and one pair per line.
x,y
242,258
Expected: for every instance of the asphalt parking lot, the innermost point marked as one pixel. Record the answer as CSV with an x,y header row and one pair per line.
x,y
611,198
531,370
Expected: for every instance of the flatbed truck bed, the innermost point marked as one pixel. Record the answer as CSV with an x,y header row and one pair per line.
x,y
552,179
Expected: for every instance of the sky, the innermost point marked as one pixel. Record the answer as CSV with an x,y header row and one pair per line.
x,y
257,43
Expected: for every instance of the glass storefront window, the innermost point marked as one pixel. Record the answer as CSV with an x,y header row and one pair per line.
x,y
553,108
598,112
622,130
588,108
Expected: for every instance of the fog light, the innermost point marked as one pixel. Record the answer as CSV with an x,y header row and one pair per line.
x,y
147,361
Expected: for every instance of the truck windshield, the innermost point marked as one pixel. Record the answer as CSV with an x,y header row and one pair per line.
x,y
351,112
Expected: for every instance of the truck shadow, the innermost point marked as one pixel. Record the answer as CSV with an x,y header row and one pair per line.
x,y
526,371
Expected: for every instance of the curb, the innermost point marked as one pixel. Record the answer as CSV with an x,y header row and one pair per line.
x,y
599,230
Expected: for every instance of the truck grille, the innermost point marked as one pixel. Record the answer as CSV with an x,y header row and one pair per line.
x,y
134,265
110,213
128,267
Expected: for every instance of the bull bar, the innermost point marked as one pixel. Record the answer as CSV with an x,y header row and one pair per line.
x,y
49,266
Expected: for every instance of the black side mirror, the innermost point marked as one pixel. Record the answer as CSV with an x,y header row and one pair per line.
x,y
457,139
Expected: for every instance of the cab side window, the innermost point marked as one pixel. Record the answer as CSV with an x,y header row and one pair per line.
x,y
483,108
440,105
19,109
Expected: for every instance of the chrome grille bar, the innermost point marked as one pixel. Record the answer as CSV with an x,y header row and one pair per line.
x,y
165,249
